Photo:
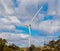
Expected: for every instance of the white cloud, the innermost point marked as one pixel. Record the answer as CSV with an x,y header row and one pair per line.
x,y
9,6
8,23
52,7
49,26
22,39
7,27
10,19
22,14
7,9
14,19
14,38
4,20
11,16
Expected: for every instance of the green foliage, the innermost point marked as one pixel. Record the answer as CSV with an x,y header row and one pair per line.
x,y
13,46
52,44
2,43
37,49
31,48
5,47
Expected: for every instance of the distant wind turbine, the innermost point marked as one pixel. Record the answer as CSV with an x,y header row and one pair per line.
x,y
29,25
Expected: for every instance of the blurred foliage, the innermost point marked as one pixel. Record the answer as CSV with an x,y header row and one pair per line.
x,y
51,46
5,47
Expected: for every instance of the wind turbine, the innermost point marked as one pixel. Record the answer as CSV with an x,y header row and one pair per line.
x,y
29,25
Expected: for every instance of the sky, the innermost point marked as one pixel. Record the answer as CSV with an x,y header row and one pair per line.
x,y
15,14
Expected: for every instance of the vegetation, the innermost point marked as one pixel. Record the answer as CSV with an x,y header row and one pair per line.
x,y
5,47
51,46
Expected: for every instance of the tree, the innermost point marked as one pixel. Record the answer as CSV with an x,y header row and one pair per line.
x,y
2,43
57,45
57,42
13,46
8,49
52,44
31,48
5,47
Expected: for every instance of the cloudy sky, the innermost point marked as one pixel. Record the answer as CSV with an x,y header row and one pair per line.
x,y
15,14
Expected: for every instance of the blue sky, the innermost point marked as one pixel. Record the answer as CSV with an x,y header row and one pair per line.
x,y
14,14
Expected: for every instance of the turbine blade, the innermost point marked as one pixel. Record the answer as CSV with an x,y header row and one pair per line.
x,y
35,15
